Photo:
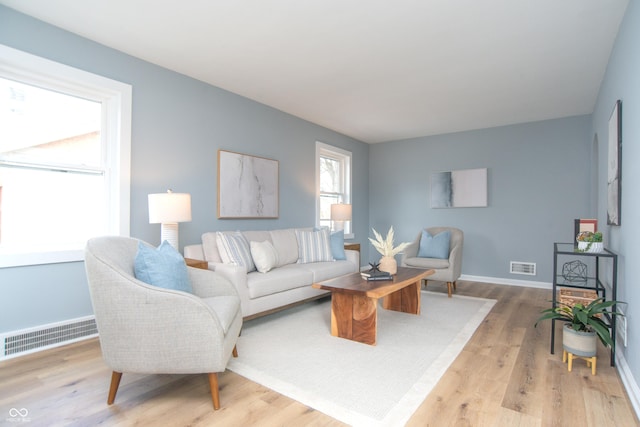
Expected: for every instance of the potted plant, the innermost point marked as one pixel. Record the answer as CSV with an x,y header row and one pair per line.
x,y
584,323
385,246
589,241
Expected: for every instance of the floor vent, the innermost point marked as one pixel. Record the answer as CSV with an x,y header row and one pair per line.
x,y
528,268
18,343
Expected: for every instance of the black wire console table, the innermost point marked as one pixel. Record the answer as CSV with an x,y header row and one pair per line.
x,y
562,250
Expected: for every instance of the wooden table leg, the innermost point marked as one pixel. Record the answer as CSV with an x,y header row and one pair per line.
x,y
406,300
354,317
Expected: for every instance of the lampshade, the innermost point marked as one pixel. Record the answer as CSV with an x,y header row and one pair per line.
x,y
341,212
169,207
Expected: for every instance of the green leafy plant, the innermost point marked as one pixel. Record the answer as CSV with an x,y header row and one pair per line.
x,y
589,236
584,318
385,245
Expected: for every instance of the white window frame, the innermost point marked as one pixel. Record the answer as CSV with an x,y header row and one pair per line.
x,y
344,156
116,99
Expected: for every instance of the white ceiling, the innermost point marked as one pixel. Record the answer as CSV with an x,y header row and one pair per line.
x,y
375,70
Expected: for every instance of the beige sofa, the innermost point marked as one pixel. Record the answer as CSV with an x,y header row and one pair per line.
x,y
287,284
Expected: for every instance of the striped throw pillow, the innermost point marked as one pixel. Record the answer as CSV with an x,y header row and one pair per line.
x,y
234,249
314,246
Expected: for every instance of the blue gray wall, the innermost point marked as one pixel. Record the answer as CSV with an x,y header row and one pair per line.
x,y
178,125
622,82
538,182
540,174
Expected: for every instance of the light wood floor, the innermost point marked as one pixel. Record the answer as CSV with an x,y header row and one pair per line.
x,y
505,376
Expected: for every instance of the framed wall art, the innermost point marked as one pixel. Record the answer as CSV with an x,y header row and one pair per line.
x,y
248,186
459,189
614,162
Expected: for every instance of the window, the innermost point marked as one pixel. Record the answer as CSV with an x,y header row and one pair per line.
x,y
64,159
333,183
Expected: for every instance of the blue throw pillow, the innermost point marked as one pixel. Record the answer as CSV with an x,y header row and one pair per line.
x,y
163,267
337,245
434,246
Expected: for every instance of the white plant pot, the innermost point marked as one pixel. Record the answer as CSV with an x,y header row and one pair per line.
x,y
591,247
579,343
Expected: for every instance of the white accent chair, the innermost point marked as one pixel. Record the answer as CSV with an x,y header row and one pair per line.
x,y
446,270
151,330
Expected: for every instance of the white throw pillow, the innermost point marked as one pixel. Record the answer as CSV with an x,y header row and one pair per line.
x,y
314,246
234,249
264,255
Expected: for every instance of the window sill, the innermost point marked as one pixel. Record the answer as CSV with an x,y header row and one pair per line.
x,y
8,260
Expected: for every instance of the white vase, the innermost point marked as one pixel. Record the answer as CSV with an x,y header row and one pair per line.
x,y
579,343
388,264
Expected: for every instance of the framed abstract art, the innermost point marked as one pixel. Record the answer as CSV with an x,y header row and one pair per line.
x,y
247,186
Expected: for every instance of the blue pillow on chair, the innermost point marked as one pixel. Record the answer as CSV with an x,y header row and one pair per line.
x,y
163,267
434,246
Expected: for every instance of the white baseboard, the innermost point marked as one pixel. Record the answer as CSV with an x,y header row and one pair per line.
x,y
629,382
508,282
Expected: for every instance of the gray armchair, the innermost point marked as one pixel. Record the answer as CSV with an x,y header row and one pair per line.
x,y
150,330
446,270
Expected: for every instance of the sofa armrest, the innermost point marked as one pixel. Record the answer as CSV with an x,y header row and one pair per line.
x,y
354,258
194,251
237,275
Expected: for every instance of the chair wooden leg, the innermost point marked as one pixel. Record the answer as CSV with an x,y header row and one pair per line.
x,y
113,389
449,288
235,351
425,283
215,394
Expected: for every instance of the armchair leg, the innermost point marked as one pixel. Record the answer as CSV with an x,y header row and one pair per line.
x,y
235,351
215,394
113,389
450,285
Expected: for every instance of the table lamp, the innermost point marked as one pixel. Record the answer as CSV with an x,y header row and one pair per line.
x,y
340,213
169,209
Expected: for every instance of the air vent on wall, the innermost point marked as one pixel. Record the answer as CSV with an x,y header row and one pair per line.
x,y
519,267
27,341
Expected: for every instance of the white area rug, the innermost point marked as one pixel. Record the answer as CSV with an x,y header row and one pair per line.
x,y
293,353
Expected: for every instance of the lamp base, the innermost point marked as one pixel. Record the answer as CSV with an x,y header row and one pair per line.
x,y
169,232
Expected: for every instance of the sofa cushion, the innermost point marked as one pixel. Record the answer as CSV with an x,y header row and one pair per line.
x,y
210,247
234,249
257,236
163,267
328,270
264,255
436,263
314,246
434,246
278,280
286,245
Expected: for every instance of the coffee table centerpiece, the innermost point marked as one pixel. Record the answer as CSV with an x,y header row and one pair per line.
x,y
385,246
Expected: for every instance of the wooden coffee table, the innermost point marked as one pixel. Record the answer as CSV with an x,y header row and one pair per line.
x,y
354,301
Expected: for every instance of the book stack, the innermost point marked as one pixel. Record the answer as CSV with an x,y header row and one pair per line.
x,y
376,275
